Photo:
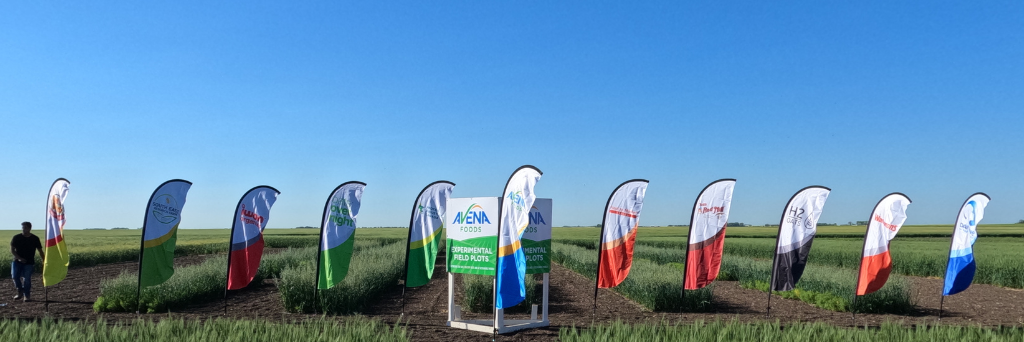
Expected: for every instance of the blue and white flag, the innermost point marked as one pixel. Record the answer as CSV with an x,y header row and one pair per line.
x,y
960,268
515,216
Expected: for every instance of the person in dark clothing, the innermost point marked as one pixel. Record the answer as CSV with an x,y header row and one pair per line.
x,y
24,247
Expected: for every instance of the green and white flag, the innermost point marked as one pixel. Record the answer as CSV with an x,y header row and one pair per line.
x,y
336,234
536,239
425,228
160,232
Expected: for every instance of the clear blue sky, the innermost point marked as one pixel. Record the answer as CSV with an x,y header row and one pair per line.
x,y
925,98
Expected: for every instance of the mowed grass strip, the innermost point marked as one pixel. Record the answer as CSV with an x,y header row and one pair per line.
x,y
372,272
655,287
717,331
212,330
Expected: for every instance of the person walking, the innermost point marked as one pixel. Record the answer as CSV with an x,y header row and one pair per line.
x,y
24,247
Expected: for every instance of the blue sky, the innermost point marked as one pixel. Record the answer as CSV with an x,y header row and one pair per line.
x,y
925,98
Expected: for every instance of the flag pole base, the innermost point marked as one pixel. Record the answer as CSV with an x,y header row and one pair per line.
x,y
538,314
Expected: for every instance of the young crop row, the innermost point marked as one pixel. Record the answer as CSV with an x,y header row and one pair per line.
x,y
829,288
656,287
197,283
214,330
716,331
372,272
479,294
189,284
100,256
1000,260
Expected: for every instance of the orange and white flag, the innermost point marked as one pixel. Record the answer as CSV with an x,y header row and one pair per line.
x,y
875,262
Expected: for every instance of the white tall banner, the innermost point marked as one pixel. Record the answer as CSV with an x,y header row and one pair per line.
x,y
516,202
886,220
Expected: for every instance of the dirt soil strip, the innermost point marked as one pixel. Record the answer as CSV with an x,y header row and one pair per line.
x,y
73,297
571,304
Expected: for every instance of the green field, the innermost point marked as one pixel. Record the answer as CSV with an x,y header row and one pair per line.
x,y
213,330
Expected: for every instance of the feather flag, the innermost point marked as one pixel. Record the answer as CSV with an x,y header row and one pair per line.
x,y
337,233
56,260
707,234
160,232
797,228
246,250
618,233
514,218
425,226
886,220
960,267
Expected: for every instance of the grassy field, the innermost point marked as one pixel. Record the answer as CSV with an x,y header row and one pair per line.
x,y
808,332
679,233
214,330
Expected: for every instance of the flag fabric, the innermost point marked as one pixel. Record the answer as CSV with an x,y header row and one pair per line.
x,y
160,232
960,267
251,216
618,232
797,228
707,234
55,261
875,263
514,218
336,234
425,226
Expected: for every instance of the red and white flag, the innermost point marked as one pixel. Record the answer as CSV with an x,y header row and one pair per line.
x,y
618,232
875,262
707,234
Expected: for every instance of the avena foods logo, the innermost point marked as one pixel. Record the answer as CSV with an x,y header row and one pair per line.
x,y
340,215
475,214
536,217
517,199
165,209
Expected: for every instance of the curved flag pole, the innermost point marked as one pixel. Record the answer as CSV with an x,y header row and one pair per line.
x,y
686,258
600,238
942,296
498,246
412,217
46,295
142,242
860,263
232,235
775,255
320,244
